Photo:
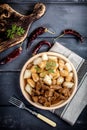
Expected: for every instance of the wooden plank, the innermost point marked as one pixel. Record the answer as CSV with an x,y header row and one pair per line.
x,y
58,17
13,117
17,64
45,1
9,85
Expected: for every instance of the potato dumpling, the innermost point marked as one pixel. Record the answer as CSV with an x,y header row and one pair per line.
x,y
54,58
44,57
68,84
60,80
28,88
31,82
69,77
42,64
35,77
68,67
37,61
27,74
64,73
47,80
55,75
33,69
43,74
61,64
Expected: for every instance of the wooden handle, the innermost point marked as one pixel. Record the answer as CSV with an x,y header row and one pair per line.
x,y
45,119
38,11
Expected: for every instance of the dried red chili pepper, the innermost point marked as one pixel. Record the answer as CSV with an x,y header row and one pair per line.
x,y
39,45
11,56
38,31
71,32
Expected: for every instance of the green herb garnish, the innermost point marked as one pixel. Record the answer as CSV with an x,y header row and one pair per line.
x,y
37,69
50,71
50,65
15,30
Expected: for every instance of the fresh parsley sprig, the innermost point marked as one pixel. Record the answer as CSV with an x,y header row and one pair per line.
x,y
50,65
15,30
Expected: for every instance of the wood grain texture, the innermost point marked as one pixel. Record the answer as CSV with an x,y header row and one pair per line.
x,y
60,15
14,118
10,17
17,64
46,1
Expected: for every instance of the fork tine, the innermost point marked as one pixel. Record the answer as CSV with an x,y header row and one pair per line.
x,y
20,104
15,101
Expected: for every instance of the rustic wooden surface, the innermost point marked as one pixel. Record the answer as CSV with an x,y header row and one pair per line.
x,y
60,14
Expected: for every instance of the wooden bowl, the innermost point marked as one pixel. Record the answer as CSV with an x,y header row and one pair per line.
x,y
55,106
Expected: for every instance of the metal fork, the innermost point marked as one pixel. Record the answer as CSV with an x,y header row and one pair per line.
x,y
21,105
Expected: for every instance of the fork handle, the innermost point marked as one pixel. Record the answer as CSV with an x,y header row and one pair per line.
x,y
45,119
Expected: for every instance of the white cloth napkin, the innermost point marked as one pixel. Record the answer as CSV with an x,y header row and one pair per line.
x,y
72,110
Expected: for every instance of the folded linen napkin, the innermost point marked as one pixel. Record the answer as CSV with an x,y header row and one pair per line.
x,y
72,110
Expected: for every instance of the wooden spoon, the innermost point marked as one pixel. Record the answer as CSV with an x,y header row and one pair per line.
x,y
9,16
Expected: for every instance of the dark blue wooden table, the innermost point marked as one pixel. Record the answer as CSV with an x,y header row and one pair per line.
x,y
60,14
